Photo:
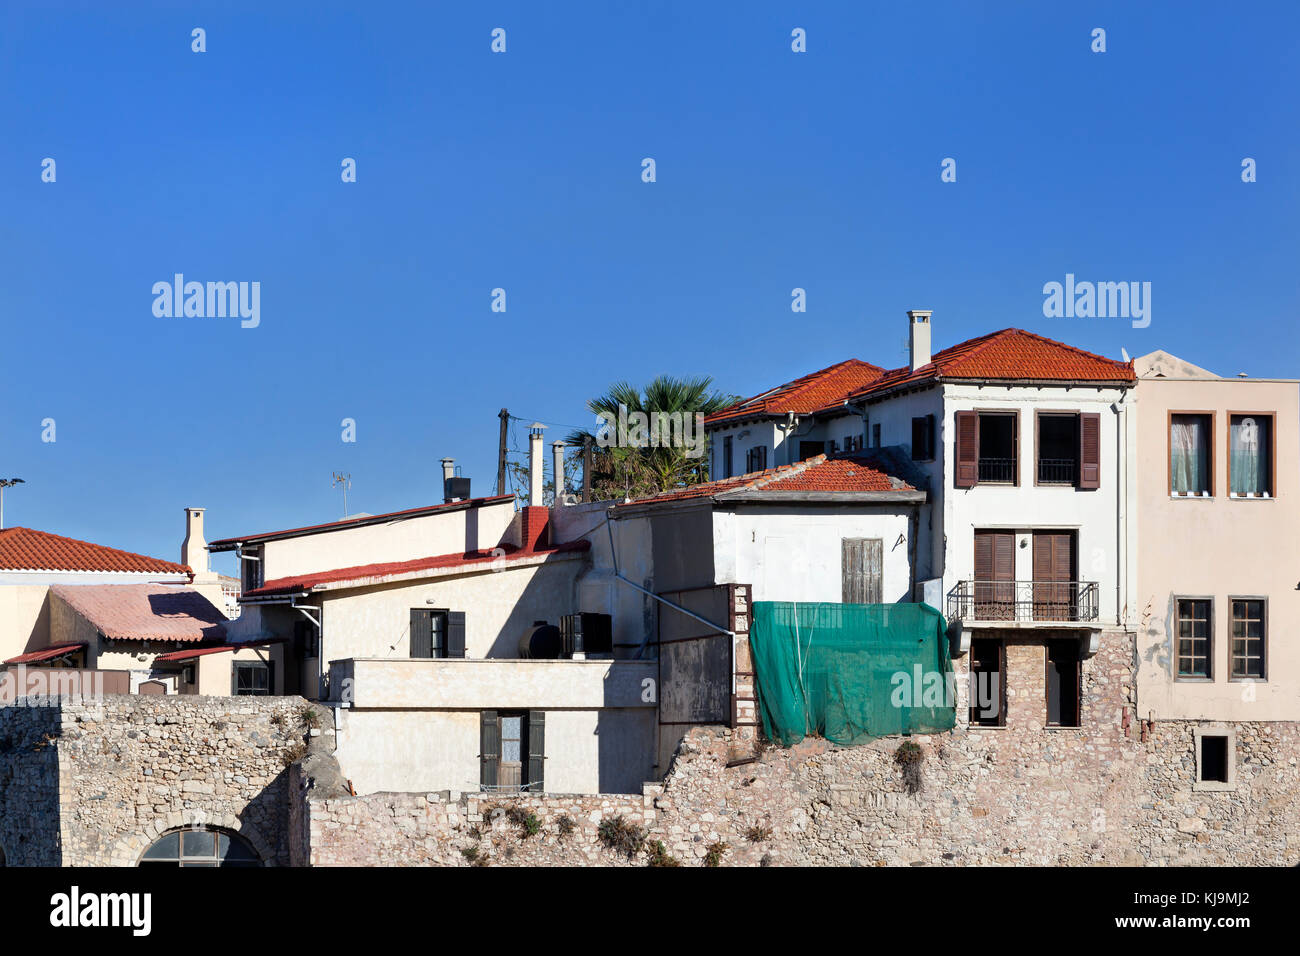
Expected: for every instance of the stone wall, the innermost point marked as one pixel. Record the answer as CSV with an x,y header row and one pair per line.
x,y
94,783
1115,791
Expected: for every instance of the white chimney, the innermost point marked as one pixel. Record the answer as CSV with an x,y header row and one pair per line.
x,y
918,340
448,468
194,550
535,482
557,462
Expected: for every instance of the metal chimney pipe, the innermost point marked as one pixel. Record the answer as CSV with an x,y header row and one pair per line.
x,y
535,482
557,461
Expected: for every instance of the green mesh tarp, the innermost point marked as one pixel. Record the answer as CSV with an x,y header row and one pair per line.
x,y
851,672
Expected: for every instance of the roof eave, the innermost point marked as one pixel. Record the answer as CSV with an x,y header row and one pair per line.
x,y
760,496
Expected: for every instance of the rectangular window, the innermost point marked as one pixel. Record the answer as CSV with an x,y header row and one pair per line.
x,y
726,457
1250,456
988,686
252,678
512,750
1063,683
1194,623
428,633
1249,627
756,459
1191,459
1213,765
997,448
1058,449
923,438
810,449
250,568
861,564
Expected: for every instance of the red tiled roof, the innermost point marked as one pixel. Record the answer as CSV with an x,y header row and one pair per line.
x,y
839,473
190,653
356,521
377,573
47,653
145,612
24,549
814,391
1009,354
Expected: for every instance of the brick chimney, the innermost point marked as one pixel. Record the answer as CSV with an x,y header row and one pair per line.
x,y
918,340
533,522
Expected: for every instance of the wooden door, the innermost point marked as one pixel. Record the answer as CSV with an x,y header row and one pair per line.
x,y
861,566
995,574
1054,576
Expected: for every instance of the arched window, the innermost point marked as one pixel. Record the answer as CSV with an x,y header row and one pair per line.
x,y
200,846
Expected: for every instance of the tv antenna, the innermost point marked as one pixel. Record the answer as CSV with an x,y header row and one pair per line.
x,y
6,483
346,481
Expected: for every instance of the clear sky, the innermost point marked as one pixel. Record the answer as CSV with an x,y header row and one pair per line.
x,y
475,170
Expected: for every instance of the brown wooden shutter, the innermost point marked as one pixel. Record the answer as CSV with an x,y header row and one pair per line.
x,y
455,633
861,570
489,747
1089,451
536,751
967,467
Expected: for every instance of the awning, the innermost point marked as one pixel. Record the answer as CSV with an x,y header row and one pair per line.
x,y
48,653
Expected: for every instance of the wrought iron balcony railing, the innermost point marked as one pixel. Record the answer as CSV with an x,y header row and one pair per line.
x,y
1056,471
1024,601
997,469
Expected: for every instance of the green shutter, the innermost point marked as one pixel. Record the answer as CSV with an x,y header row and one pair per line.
x,y
536,750
455,633
490,749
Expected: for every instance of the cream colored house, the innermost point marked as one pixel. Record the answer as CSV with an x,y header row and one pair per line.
x,y
1218,545
421,628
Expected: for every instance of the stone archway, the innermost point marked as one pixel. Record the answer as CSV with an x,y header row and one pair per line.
x,y
127,851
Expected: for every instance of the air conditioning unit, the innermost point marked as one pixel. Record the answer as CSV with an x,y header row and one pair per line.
x,y
454,488
587,633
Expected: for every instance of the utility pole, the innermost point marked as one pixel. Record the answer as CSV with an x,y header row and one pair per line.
x,y
504,415
586,470
6,483
346,482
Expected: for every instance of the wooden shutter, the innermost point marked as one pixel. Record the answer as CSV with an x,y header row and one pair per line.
x,y
995,574
1053,574
421,633
1089,451
489,747
536,750
967,466
455,633
861,570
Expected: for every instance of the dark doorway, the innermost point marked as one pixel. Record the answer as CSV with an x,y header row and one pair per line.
x,y
1063,683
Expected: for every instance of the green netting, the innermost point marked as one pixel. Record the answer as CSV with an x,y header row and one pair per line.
x,y
851,672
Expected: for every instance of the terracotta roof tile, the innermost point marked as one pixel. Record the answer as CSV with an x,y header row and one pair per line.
x,y
47,653
1008,354
861,472
23,549
377,573
807,394
145,612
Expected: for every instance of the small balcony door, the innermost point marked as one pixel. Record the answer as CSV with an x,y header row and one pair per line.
x,y
1054,575
995,574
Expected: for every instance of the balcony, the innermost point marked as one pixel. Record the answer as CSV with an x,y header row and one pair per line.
x,y
1057,471
466,684
1024,602
997,470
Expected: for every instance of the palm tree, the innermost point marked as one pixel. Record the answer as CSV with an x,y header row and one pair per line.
x,y
637,468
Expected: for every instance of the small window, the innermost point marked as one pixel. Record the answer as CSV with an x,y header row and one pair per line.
x,y
250,569
512,751
811,449
726,457
1248,638
1191,462
756,459
1058,449
988,687
428,633
923,438
1216,757
1063,683
1250,456
252,678
875,435
1194,630
997,448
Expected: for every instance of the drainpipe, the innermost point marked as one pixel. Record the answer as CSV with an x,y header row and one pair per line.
x,y
1121,517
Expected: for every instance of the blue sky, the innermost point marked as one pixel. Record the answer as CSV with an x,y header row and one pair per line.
x,y
522,170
